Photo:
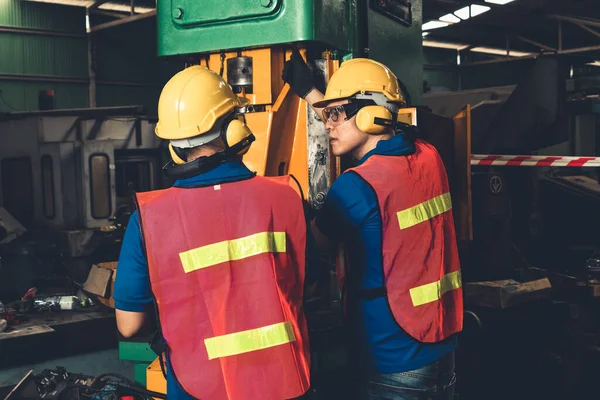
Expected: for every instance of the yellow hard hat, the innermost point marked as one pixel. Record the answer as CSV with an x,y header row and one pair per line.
x,y
191,103
361,75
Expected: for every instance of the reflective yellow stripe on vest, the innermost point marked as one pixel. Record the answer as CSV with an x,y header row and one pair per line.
x,y
230,250
250,340
434,291
424,211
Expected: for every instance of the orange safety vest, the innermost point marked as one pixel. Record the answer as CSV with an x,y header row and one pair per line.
x,y
226,266
420,259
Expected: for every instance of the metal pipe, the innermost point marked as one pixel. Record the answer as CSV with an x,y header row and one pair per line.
x,y
42,78
590,30
68,79
500,60
568,51
580,50
130,84
91,66
361,31
132,2
81,112
560,37
96,4
41,32
123,21
107,13
538,44
439,67
574,20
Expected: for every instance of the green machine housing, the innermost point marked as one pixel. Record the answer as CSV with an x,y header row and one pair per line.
x,y
203,26
193,26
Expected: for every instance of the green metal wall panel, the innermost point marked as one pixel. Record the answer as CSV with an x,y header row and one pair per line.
x,y
43,55
42,16
123,54
22,96
12,96
400,48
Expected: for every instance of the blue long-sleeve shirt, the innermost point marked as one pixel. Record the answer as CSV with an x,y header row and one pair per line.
x,y
350,214
132,287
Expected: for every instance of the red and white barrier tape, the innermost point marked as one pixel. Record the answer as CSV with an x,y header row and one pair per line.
x,y
533,161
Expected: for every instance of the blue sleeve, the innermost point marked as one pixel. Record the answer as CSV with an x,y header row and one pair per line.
x,y
350,203
132,285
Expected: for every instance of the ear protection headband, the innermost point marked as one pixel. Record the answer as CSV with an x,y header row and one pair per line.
x,y
237,138
233,132
375,119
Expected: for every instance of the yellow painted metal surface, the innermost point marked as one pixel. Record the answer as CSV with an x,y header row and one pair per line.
x,y
261,125
155,380
408,115
281,134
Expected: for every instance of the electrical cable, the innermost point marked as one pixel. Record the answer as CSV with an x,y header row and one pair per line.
x,y
127,385
5,102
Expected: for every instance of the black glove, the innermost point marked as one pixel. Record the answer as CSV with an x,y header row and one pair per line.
x,y
298,75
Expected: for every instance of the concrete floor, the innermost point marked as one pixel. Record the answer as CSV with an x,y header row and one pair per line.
x,y
93,364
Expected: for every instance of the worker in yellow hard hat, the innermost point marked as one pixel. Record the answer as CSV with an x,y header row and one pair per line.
x,y
220,255
393,212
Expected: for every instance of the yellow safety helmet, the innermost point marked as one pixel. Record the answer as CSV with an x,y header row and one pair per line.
x,y
362,78
197,106
362,75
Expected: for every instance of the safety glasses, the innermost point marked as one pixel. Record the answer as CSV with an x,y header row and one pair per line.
x,y
343,112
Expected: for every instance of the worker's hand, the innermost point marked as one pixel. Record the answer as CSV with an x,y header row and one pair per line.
x,y
298,75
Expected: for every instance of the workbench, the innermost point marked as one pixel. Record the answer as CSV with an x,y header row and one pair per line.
x,y
57,334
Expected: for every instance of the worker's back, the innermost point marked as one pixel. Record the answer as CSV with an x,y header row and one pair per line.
x,y
226,267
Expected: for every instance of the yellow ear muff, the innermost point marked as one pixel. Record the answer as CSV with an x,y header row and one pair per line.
x,y
236,132
174,156
365,119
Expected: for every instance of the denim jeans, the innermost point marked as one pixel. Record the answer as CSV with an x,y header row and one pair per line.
x,y
435,381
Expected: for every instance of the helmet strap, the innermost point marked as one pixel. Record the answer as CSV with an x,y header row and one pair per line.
x,y
205,163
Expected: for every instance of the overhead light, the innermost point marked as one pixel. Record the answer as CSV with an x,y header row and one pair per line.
x,y
450,18
124,8
434,25
476,10
464,13
500,52
78,3
444,45
594,64
499,2
425,34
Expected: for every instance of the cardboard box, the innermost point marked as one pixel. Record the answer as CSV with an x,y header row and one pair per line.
x,y
505,293
101,282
